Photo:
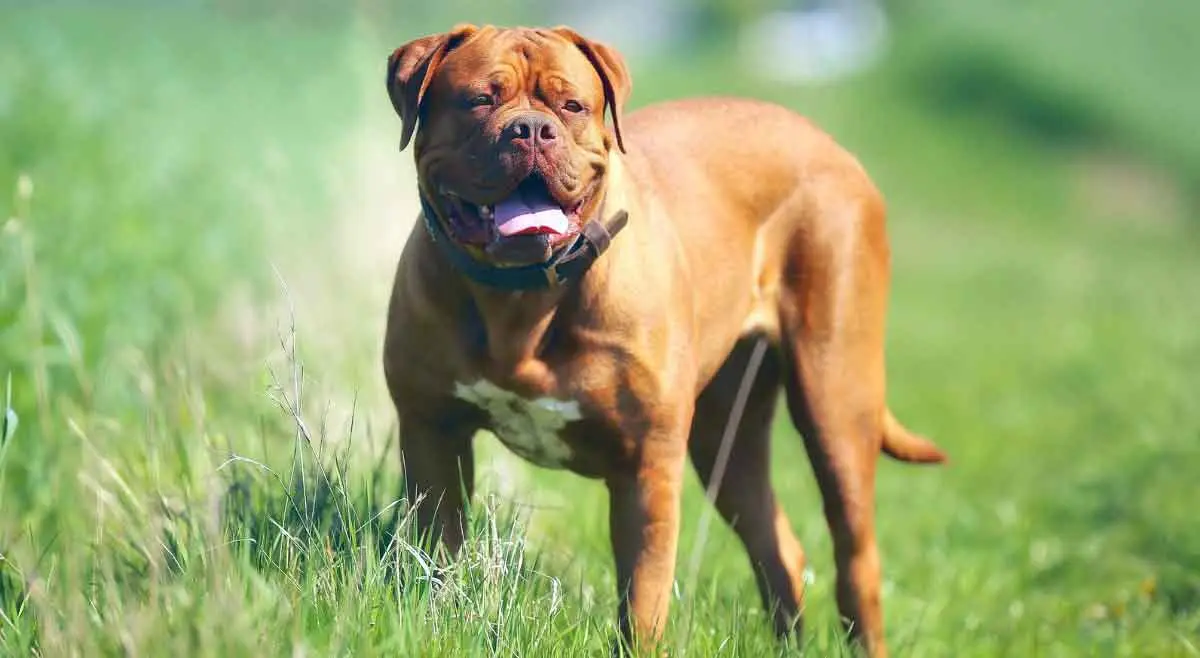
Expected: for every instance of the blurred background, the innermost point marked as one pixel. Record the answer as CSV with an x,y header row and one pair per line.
x,y
201,202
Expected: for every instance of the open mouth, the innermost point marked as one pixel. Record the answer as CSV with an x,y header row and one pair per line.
x,y
530,210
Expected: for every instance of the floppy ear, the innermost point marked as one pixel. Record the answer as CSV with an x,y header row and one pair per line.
x,y
410,70
613,75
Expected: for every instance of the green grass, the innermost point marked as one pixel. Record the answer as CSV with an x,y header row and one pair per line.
x,y
1119,68
191,477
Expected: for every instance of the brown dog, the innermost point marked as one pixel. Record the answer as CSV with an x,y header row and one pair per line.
x,y
511,313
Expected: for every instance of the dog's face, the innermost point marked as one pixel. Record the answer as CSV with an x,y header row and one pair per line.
x,y
510,136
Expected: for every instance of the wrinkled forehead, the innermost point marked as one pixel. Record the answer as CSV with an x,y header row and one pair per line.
x,y
517,56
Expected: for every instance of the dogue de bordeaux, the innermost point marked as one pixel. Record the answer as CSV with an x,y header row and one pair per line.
x,y
592,296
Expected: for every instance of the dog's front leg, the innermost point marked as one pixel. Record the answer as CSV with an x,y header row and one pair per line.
x,y
439,476
644,525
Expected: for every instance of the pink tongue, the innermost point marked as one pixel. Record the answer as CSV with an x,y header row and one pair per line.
x,y
529,214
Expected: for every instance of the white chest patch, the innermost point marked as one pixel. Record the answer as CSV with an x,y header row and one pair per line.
x,y
530,428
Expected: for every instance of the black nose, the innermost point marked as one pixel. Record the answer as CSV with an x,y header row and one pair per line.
x,y
531,129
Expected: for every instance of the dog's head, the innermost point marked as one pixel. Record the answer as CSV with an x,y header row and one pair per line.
x,y
510,140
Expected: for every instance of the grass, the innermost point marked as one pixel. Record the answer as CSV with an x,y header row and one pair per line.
x,y
191,290
1117,68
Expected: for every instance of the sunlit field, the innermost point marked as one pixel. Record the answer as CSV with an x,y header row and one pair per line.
x,y
200,214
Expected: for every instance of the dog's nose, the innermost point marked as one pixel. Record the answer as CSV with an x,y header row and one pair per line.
x,y
531,129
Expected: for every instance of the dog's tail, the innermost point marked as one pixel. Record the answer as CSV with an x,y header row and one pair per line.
x,y
901,444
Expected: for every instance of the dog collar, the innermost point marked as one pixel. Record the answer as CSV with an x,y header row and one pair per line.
x,y
567,264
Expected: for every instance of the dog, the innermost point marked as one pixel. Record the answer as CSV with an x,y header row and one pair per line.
x,y
592,294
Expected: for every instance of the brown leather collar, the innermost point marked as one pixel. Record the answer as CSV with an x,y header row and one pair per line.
x,y
565,265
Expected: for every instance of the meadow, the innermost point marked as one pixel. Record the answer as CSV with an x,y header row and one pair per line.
x,y
199,213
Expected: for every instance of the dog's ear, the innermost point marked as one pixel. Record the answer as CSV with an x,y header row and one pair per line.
x,y
410,70
613,75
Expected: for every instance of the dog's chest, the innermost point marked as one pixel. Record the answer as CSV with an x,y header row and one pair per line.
x,y
531,428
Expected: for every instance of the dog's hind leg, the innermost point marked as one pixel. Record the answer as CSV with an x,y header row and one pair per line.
x,y
744,496
832,310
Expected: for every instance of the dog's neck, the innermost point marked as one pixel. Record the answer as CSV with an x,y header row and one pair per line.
x,y
518,325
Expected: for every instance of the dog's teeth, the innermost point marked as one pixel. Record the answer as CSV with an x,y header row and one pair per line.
x,y
486,212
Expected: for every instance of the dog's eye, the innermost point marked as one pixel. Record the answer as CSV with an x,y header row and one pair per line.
x,y
573,106
481,100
